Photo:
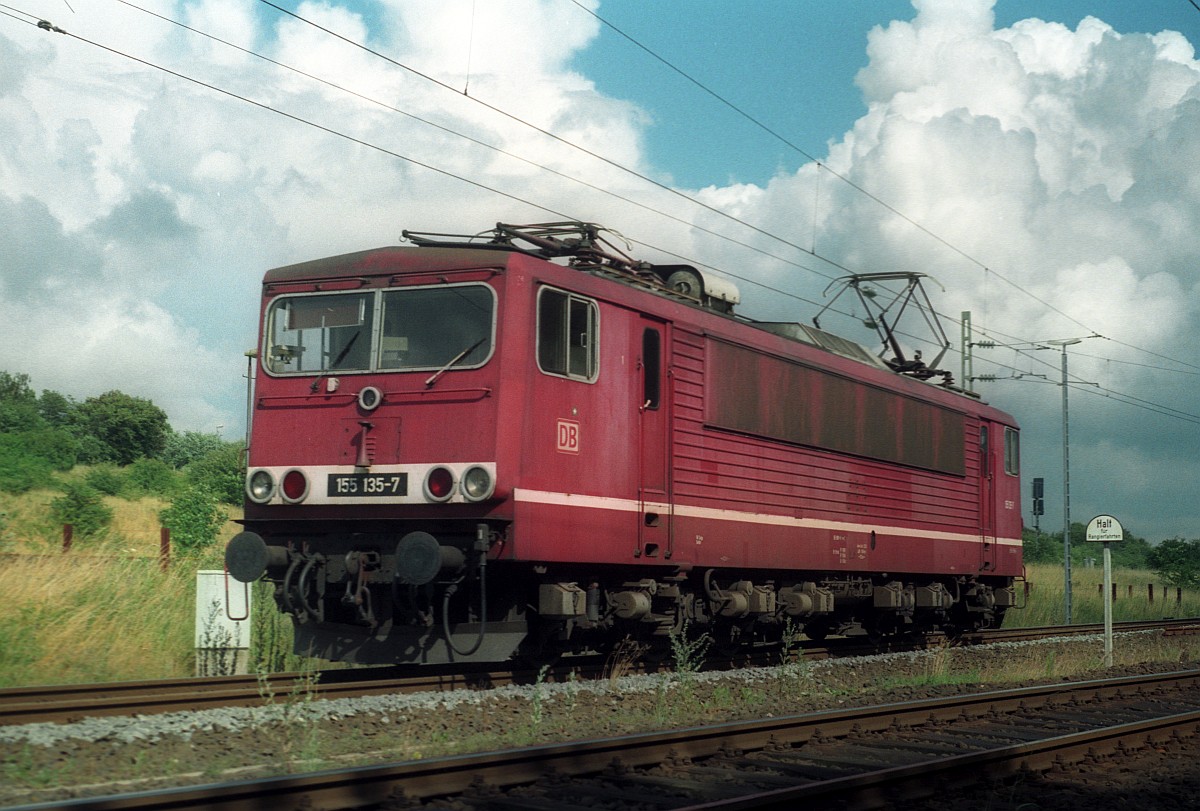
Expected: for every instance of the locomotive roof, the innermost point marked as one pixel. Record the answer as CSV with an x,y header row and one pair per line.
x,y
382,260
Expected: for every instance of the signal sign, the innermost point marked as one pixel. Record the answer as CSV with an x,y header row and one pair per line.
x,y
1104,529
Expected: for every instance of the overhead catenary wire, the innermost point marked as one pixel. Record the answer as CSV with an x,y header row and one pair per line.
x,y
987,270
500,111
19,15
481,143
856,186
553,136
592,153
50,27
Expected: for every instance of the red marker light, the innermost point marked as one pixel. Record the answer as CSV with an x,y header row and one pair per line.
x,y
295,486
439,484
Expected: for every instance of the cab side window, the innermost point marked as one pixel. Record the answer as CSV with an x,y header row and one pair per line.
x,y
567,335
1012,452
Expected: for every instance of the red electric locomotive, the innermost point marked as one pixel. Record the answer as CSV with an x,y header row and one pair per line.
x,y
466,451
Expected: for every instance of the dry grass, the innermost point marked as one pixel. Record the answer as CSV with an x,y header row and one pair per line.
x,y
80,618
25,526
105,611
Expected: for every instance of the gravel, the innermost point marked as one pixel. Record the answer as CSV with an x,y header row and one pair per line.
x,y
213,744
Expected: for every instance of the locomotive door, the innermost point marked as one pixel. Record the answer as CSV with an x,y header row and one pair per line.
x,y
987,502
653,435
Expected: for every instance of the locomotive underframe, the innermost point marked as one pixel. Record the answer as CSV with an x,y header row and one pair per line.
x,y
418,595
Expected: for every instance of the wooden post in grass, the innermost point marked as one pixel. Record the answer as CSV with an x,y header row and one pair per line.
x,y
68,534
164,548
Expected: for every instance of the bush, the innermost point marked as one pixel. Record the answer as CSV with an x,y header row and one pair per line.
x,y
106,478
1177,561
152,477
222,472
194,518
19,471
56,446
83,508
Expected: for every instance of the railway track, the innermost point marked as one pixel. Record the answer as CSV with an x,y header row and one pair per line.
x,y
68,703
868,757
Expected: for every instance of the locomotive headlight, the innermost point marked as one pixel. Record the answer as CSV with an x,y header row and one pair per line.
x,y
294,487
260,486
439,484
477,483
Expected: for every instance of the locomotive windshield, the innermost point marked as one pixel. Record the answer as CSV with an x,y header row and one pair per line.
x,y
401,329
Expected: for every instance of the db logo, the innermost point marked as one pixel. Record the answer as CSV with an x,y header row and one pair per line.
x,y
568,436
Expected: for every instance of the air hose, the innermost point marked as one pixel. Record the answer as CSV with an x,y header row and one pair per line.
x,y
481,546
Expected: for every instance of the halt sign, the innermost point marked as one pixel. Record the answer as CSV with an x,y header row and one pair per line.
x,y
1104,529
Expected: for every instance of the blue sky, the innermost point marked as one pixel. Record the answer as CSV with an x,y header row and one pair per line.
x,y
791,65
1039,161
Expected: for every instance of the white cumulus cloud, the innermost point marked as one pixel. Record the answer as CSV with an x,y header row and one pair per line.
x,y
1056,167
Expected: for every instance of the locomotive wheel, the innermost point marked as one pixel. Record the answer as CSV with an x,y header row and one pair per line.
x,y
816,631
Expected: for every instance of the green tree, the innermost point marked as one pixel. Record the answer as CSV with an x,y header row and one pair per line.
x,y
1177,561
92,450
1040,547
18,404
14,388
183,449
1132,553
106,478
130,427
56,409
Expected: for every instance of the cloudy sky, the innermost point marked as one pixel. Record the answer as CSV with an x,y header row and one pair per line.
x,y
1040,160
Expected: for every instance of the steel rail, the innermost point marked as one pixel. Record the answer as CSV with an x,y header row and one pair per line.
x,y
884,787
68,703
421,780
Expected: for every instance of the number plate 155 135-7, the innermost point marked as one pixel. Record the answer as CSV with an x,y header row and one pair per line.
x,y
346,485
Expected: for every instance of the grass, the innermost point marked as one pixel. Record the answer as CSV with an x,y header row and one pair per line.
x,y
83,618
1046,597
105,611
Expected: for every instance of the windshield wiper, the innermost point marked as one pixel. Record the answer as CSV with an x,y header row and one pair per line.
x,y
336,361
434,377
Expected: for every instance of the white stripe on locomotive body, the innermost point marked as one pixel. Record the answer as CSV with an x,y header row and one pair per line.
x,y
318,476
713,514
